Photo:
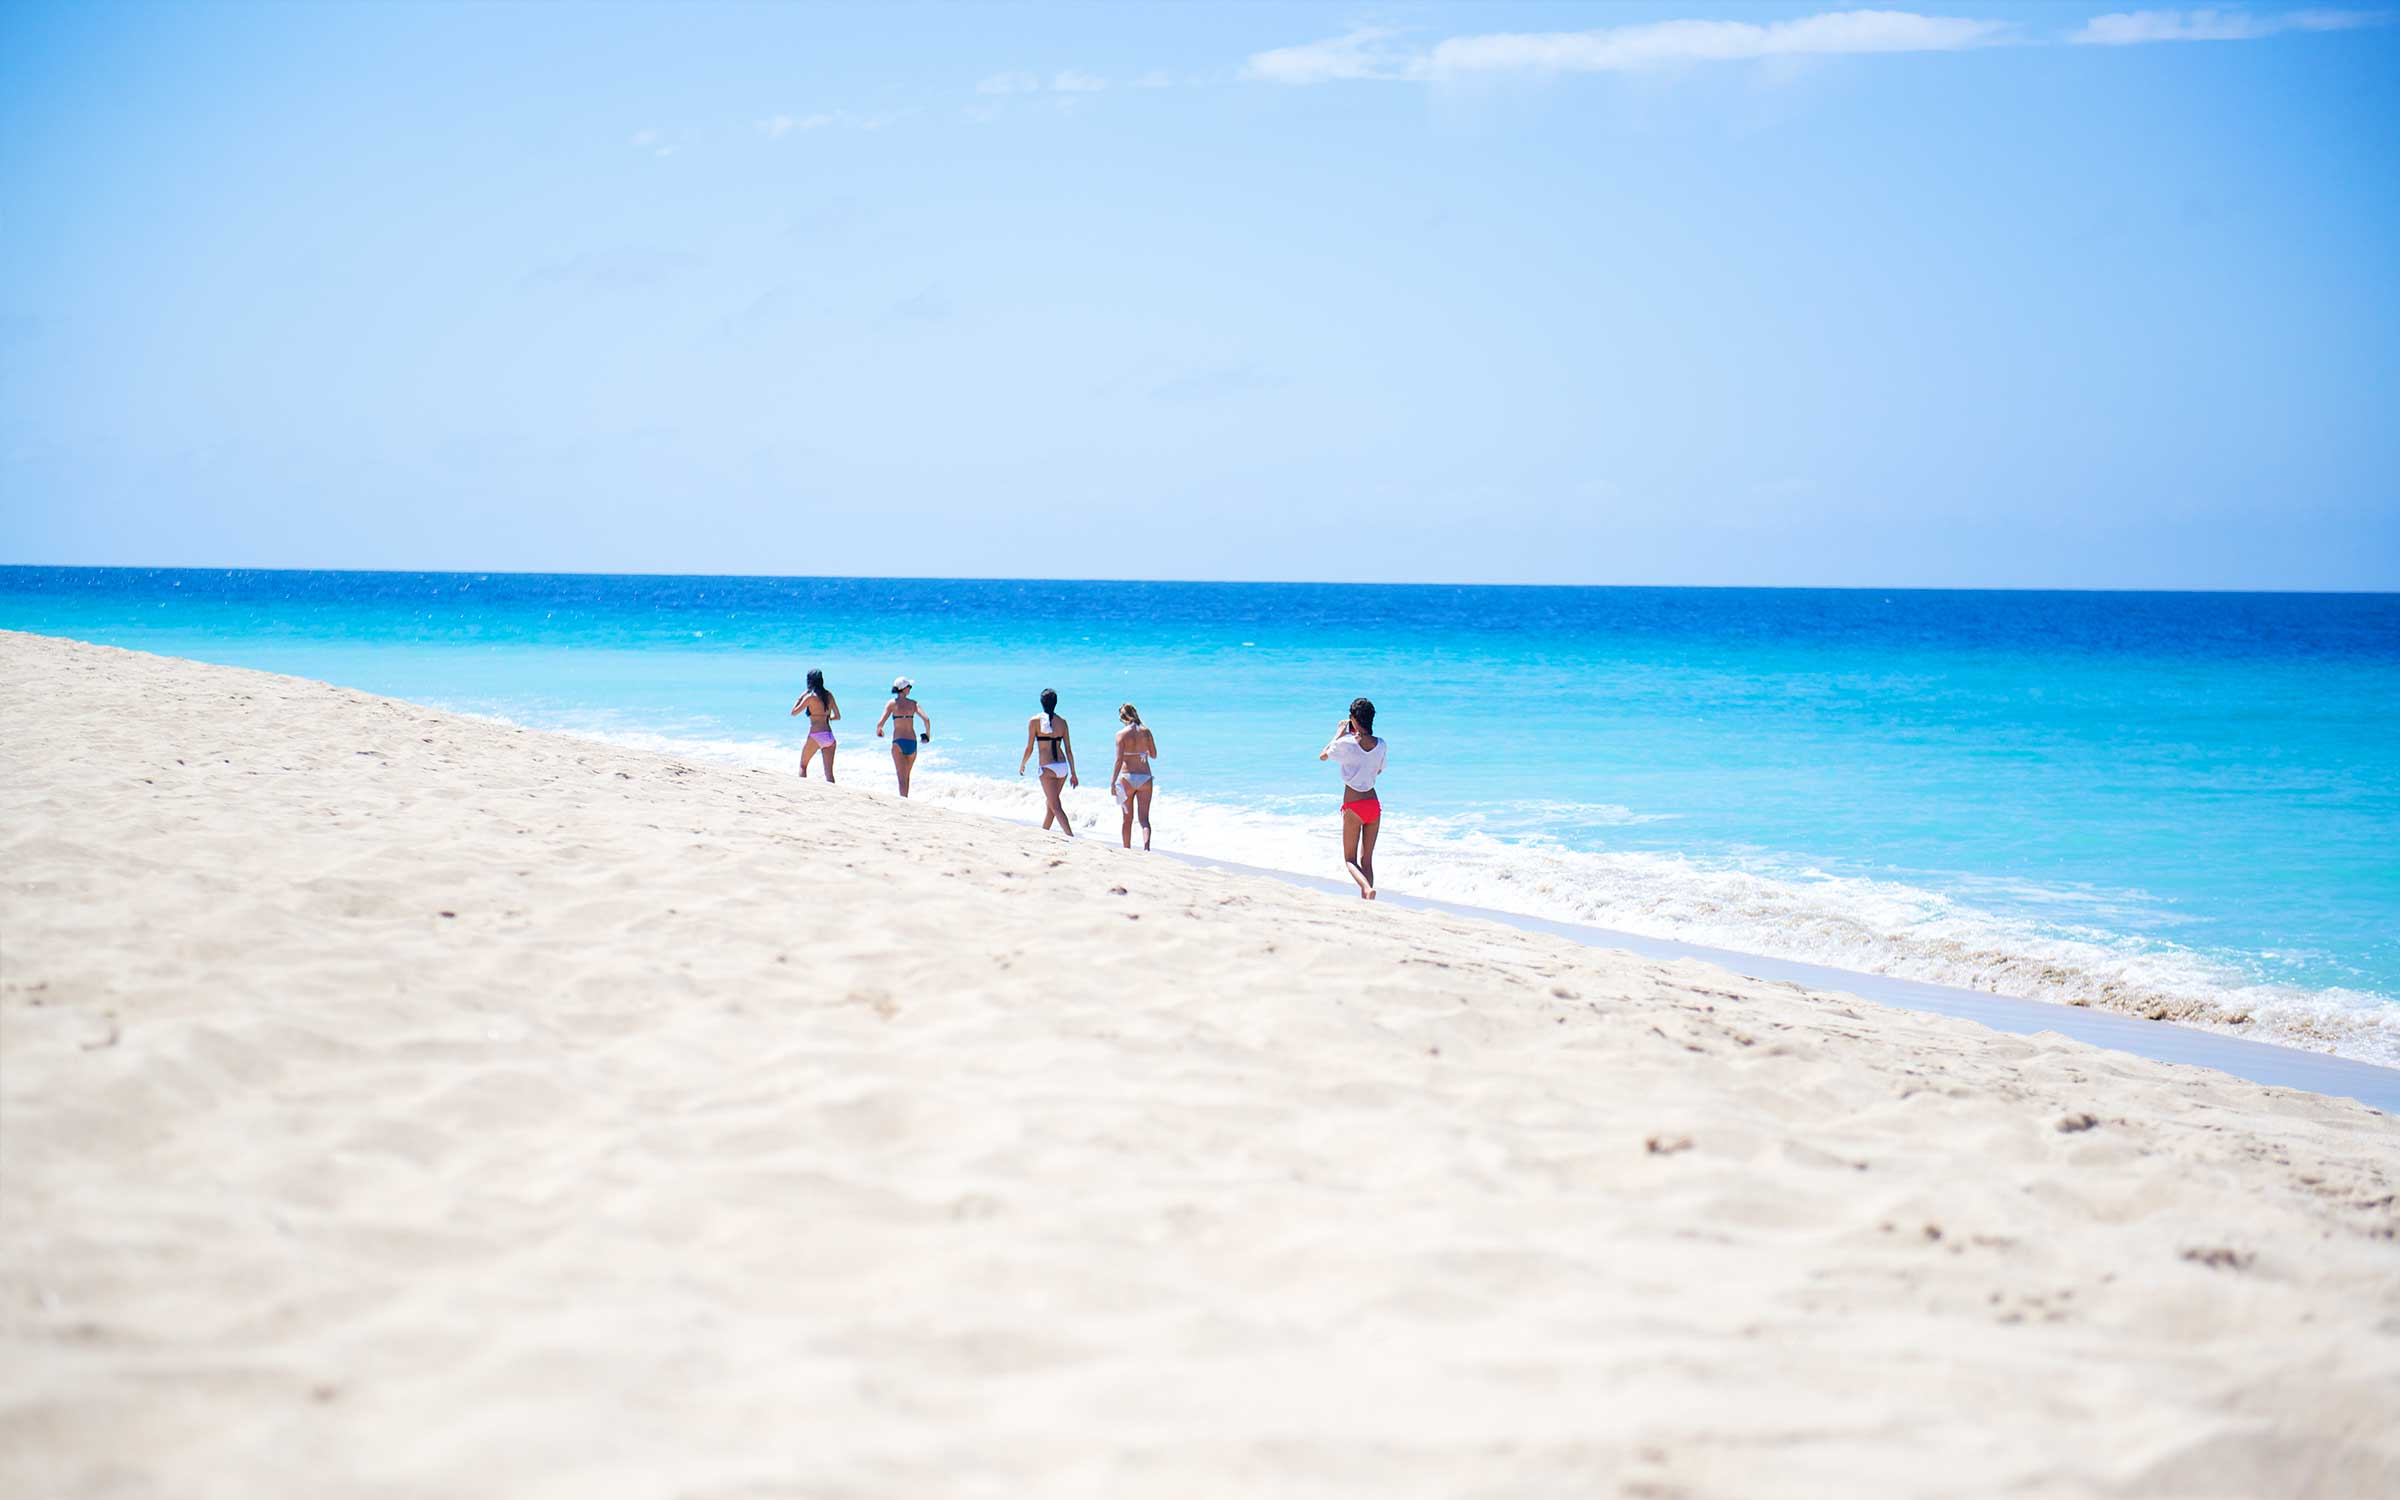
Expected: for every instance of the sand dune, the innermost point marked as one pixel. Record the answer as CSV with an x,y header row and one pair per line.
x,y
398,1104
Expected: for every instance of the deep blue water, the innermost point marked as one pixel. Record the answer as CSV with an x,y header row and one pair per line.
x,y
2135,800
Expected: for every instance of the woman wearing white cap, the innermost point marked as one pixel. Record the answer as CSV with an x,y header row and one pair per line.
x,y
902,714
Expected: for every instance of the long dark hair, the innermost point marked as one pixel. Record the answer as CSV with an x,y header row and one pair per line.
x,y
1362,717
1049,703
816,685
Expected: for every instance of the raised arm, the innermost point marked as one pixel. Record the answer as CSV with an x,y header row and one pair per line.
x,y
799,705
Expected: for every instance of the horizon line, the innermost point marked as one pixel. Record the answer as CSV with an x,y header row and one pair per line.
x,y
1809,588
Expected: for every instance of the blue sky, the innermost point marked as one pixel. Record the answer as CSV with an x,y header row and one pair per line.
x,y
1993,296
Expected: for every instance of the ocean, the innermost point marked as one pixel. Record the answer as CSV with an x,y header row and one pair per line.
x,y
2177,805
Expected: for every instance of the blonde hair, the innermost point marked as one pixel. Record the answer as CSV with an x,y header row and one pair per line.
x,y
1129,714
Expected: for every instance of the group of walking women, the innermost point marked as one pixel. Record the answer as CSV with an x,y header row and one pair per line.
x,y
1355,750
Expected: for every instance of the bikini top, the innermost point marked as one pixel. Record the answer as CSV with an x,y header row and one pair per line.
x,y
1132,754
1050,722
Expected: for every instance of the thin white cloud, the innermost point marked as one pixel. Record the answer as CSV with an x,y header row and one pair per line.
x,y
776,127
1064,81
2129,28
1663,44
1371,52
1364,53
624,268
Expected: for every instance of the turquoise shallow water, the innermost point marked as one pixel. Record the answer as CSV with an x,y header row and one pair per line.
x,y
2139,801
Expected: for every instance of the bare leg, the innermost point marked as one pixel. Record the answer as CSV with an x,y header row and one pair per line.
x,y
1367,835
829,765
1126,802
900,765
1141,799
808,752
1350,829
1055,787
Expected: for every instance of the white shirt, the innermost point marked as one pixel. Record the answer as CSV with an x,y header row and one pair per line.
x,y
1359,768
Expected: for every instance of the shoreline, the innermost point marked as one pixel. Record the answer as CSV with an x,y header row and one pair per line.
x,y
2171,1040
2271,1063
396,1103
939,786
2142,913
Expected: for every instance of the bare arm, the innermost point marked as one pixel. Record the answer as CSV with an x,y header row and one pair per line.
x,y
887,714
1066,742
800,706
1028,755
928,718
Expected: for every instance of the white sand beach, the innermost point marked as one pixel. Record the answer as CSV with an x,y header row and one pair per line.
x,y
399,1104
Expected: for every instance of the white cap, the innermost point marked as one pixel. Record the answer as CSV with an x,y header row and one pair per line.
x,y
901,684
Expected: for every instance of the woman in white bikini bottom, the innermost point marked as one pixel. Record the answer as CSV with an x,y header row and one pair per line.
x,y
1130,779
1049,731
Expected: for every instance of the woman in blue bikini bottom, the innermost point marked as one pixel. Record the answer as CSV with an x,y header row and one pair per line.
x,y
902,713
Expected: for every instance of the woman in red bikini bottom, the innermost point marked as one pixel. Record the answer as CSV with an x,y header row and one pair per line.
x,y
1358,755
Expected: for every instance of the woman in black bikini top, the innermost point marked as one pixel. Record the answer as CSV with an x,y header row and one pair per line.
x,y
1047,730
